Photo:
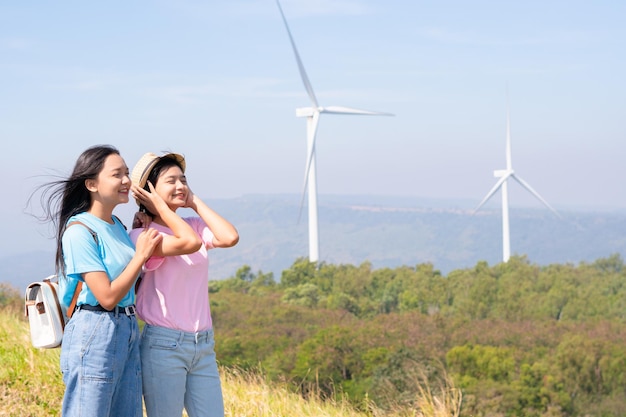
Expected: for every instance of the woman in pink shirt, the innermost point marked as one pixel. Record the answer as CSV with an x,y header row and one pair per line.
x,y
177,357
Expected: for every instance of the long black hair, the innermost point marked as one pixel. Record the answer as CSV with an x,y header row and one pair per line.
x,y
65,198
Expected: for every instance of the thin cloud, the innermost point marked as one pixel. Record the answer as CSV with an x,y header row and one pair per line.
x,y
240,87
86,80
15,43
251,88
445,35
295,8
80,86
299,8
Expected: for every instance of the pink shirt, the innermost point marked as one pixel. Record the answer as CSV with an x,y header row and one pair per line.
x,y
174,290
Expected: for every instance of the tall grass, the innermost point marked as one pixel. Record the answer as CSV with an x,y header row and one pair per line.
x,y
30,379
248,394
31,386
435,396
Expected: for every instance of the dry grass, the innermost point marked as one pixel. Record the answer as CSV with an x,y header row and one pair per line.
x,y
248,394
445,403
432,399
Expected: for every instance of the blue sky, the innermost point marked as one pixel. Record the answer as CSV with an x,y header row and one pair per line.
x,y
218,82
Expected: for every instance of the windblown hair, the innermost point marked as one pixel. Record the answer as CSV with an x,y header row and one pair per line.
x,y
64,198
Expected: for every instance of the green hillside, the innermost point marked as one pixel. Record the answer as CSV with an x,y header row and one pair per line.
x,y
519,339
514,339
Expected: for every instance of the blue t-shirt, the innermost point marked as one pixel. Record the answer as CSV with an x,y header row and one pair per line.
x,y
111,254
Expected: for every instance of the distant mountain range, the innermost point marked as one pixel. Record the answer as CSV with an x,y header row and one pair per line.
x,y
388,232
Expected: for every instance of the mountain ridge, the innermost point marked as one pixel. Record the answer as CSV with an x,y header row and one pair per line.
x,y
388,232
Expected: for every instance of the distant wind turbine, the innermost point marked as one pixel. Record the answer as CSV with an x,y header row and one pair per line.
x,y
313,114
504,175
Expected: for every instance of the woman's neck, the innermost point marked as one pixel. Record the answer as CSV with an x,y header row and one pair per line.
x,y
101,212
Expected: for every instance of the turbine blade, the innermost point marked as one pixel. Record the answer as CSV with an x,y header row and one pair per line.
x,y
536,194
302,202
305,78
492,192
509,163
350,110
312,126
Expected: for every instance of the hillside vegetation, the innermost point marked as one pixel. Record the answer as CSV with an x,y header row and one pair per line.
x,y
512,339
519,339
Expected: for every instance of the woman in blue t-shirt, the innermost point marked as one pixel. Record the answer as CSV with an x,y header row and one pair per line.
x,y
100,349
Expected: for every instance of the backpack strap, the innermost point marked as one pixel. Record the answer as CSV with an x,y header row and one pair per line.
x,y
56,301
72,306
79,286
118,219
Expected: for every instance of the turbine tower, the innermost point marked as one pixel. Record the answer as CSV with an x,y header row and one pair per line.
x,y
504,175
312,115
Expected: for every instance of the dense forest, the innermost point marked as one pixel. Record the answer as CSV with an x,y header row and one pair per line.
x,y
518,339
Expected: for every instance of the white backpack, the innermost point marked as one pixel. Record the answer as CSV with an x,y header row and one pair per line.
x,y
46,315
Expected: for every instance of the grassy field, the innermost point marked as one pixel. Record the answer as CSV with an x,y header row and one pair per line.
x,y
31,386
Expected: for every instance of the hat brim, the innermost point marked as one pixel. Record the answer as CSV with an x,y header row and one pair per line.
x,y
142,169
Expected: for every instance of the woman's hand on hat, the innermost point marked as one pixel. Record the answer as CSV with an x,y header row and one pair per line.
x,y
151,200
142,197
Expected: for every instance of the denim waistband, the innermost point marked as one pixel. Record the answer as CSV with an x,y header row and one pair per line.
x,y
128,310
182,336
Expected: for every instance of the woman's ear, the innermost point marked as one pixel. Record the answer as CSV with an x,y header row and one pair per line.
x,y
90,185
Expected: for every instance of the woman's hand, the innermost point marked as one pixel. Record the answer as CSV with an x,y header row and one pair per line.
x,y
190,202
147,240
141,219
151,200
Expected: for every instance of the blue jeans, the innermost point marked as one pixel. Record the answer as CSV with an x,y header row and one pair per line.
x,y
101,366
179,370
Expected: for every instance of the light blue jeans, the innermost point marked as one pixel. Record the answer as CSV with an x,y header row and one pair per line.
x,y
101,366
179,370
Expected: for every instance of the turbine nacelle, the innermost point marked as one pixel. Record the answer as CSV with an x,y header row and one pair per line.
x,y
310,111
306,111
499,173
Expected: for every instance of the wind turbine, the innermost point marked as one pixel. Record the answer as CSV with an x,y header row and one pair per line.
x,y
312,115
504,175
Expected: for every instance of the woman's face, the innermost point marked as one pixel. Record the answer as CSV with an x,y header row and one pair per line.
x,y
172,187
113,184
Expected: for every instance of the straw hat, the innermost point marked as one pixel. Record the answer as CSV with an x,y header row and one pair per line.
x,y
141,171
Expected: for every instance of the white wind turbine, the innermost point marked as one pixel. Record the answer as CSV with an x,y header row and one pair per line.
x,y
312,114
504,175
